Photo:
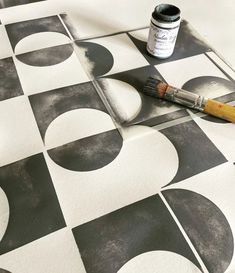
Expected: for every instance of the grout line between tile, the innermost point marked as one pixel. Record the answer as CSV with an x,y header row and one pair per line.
x,y
219,66
95,83
204,269
112,34
64,25
171,123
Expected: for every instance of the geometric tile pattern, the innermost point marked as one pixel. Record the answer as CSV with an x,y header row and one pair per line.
x,y
95,176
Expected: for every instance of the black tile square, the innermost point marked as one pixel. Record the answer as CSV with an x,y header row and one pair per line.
x,y
109,242
49,105
34,210
10,85
18,31
187,44
196,151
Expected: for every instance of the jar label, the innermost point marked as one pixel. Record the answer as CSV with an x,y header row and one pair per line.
x,y
161,41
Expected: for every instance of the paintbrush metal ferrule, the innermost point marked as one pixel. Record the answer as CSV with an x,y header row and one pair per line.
x,y
162,90
185,98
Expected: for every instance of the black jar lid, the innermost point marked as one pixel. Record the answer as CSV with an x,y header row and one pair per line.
x,y
166,13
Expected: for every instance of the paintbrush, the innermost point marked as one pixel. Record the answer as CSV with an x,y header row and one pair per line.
x,y
156,88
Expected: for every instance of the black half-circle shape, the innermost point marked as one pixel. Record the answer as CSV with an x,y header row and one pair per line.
x,y
194,158
4,271
90,153
205,225
99,57
47,56
200,86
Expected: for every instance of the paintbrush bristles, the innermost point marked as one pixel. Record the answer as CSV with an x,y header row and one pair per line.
x,y
155,88
161,89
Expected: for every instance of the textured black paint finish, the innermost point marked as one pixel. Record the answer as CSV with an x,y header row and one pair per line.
x,y
12,3
107,243
137,77
187,45
206,226
49,105
151,108
195,150
20,30
89,153
34,208
99,57
47,56
10,86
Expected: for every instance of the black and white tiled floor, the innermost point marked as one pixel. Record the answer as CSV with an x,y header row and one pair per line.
x,y
94,176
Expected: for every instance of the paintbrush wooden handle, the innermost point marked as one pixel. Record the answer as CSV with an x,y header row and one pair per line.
x,y
220,110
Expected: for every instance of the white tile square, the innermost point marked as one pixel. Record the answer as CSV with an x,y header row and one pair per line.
x,y
107,17
137,172
36,79
177,73
19,134
28,12
222,64
55,253
5,46
125,54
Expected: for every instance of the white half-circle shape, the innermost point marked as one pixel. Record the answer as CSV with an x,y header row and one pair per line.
x,y
124,99
159,262
77,124
40,40
4,213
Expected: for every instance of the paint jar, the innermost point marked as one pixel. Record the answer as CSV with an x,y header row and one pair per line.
x,y
163,31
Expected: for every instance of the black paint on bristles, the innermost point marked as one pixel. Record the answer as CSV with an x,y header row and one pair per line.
x,y
150,87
